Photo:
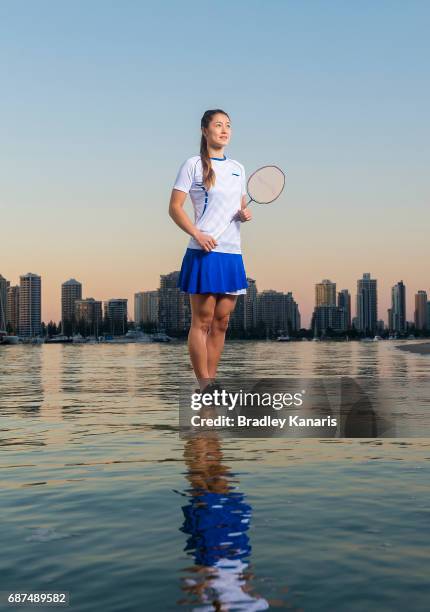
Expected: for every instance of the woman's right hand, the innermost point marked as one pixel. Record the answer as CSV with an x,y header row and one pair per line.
x,y
205,241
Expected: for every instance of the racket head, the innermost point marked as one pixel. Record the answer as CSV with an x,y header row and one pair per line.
x,y
266,184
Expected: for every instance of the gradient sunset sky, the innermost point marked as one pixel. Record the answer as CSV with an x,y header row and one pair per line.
x,y
101,103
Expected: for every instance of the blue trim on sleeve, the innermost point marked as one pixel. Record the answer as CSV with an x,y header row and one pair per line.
x,y
206,201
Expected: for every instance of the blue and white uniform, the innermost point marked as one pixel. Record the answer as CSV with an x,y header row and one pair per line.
x,y
221,270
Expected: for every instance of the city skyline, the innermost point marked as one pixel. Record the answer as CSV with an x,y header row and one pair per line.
x,y
52,308
326,292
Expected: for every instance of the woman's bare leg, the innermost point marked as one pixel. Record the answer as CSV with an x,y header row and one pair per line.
x,y
202,311
225,305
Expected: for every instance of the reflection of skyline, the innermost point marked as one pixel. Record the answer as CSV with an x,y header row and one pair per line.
x,y
77,381
21,378
43,386
216,520
21,397
26,381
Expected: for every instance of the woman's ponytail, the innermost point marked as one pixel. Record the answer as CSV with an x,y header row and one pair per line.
x,y
208,172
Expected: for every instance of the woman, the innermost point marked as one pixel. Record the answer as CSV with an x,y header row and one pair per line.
x,y
212,271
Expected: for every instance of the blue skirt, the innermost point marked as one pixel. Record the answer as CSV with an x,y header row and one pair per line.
x,y
213,272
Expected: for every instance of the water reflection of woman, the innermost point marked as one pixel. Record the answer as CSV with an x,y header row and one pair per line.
x,y
217,520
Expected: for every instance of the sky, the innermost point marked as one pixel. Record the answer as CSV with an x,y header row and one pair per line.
x,y
101,103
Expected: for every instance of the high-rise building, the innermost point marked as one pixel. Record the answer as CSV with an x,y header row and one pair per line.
x,y
3,302
71,291
115,315
344,301
250,305
30,304
174,310
292,313
420,314
410,327
244,315
390,318
88,316
146,307
12,310
367,304
237,317
278,311
270,310
325,293
327,317
397,315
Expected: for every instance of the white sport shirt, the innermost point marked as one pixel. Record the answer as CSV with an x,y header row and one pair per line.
x,y
214,207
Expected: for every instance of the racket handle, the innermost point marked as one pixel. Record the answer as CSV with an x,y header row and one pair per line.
x,y
221,231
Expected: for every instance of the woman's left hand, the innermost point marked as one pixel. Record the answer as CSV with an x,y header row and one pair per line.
x,y
244,214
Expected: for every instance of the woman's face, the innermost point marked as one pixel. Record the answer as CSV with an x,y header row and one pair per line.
x,y
218,131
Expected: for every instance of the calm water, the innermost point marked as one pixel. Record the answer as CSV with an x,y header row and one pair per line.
x,y
101,498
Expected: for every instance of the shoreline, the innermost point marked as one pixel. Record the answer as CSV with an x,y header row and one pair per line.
x,y
421,349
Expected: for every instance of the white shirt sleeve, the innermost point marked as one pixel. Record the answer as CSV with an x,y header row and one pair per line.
x,y
185,176
244,191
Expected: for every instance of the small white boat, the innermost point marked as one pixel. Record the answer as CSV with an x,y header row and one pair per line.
x,y
131,337
283,339
78,339
58,339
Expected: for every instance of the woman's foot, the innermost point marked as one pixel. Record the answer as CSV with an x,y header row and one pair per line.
x,y
208,389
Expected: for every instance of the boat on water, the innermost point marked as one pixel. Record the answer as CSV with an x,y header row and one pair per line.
x,y
6,338
283,339
131,337
58,339
78,339
161,337
137,336
32,340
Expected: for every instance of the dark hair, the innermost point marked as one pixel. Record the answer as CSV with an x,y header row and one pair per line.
x,y
208,173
